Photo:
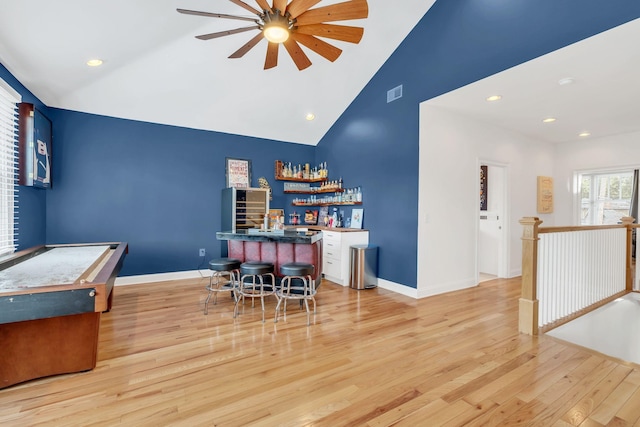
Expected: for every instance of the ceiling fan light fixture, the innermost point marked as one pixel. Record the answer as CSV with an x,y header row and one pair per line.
x,y
275,32
293,23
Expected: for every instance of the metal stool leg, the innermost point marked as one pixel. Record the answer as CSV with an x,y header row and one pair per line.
x,y
255,289
215,288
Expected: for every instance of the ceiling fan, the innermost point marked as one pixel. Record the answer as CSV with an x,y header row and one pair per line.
x,y
291,24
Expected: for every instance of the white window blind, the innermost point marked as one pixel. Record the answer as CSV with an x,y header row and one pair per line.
x,y
9,100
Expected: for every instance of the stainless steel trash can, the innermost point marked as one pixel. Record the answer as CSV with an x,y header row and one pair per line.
x,y
364,266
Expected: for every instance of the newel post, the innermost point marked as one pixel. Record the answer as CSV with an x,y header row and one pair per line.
x,y
528,305
627,221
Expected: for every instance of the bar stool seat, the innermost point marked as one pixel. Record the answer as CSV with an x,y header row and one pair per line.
x,y
256,271
226,272
297,284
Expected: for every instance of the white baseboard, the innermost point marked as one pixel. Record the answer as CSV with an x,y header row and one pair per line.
x,y
447,287
161,277
398,288
195,274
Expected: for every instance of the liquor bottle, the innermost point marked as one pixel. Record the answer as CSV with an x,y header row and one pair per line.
x,y
358,195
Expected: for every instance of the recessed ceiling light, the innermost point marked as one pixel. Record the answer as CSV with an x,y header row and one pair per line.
x,y
494,98
549,120
584,134
310,116
94,62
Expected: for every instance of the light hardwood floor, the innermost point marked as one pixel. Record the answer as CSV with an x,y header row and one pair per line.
x,y
370,358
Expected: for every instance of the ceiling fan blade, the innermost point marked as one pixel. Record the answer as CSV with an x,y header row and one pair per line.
x,y
299,57
247,46
281,5
227,33
330,31
318,46
264,5
272,56
245,6
215,15
354,9
298,7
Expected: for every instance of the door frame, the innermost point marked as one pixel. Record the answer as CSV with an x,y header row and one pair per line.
x,y
505,250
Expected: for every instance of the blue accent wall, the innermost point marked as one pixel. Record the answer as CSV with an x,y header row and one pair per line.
x,y
376,145
156,187
32,202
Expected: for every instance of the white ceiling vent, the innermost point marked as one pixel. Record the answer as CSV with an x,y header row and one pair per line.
x,y
395,93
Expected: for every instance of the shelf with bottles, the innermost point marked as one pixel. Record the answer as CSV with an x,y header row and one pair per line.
x,y
305,188
349,196
303,203
301,173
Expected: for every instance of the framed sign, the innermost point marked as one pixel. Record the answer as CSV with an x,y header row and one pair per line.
x,y
356,218
545,194
238,173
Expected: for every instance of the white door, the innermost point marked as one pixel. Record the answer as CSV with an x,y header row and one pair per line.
x,y
491,223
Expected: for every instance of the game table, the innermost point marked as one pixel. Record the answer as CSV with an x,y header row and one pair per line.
x,y
51,298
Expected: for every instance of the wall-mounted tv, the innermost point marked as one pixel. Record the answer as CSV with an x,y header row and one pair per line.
x,y
35,134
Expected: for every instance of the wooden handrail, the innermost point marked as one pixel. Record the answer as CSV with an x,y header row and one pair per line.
x,y
564,229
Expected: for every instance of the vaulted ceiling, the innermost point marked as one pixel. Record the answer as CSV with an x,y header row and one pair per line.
x,y
155,70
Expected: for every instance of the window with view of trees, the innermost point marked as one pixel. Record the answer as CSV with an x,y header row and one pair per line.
x,y
605,197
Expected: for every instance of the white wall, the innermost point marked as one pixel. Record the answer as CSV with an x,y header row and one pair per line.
x,y
615,152
451,147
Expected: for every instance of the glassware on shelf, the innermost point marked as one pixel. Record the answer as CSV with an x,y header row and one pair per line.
x,y
294,218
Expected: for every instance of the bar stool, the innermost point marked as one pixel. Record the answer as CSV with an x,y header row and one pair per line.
x,y
252,289
303,289
226,272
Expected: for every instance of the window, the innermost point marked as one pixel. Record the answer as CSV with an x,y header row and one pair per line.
x,y
8,168
605,197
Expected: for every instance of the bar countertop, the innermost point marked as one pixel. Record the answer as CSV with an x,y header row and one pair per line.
x,y
282,236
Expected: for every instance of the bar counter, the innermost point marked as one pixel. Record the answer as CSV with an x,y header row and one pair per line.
x,y
281,236
278,247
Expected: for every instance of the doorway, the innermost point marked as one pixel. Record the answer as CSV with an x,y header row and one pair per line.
x,y
492,251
